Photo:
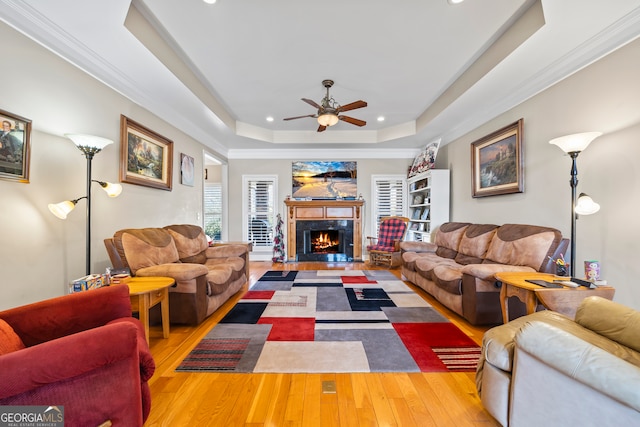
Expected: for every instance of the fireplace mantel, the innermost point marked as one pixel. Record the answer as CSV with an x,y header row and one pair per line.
x,y
315,210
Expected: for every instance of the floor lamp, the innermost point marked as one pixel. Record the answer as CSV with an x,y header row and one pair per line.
x,y
574,145
89,145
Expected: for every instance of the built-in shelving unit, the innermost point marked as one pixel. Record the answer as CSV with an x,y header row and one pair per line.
x,y
428,203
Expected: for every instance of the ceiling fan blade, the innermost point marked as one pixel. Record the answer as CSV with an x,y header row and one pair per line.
x,y
300,117
353,121
352,106
312,103
321,128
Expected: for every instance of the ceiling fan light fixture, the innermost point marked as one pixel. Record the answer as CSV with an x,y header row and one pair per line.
x,y
327,119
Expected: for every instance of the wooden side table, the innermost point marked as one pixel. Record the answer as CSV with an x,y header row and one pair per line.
x,y
564,300
146,292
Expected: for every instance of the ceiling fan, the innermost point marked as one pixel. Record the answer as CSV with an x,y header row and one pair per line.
x,y
329,111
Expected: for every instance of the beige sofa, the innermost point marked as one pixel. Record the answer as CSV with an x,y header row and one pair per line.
x,y
459,268
545,369
206,277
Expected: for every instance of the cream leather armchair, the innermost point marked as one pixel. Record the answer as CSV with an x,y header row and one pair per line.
x,y
547,369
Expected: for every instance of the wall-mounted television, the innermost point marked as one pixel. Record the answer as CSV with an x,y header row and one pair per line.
x,y
324,180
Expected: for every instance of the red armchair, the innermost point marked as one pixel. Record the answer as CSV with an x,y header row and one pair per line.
x,y
82,351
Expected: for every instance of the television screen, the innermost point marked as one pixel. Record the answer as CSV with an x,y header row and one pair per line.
x,y
325,180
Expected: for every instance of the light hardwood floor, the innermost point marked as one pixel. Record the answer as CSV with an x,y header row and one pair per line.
x,y
252,400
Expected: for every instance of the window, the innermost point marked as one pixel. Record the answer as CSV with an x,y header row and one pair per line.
x,y
213,210
389,197
259,210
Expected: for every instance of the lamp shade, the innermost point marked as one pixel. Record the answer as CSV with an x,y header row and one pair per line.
x,y
586,205
82,140
112,189
62,209
575,143
328,119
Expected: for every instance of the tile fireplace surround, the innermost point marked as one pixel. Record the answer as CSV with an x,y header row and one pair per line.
x,y
306,214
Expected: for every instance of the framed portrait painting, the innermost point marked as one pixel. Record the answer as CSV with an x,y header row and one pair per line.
x,y
15,142
497,162
146,158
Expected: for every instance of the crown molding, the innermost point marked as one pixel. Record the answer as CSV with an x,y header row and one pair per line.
x,y
320,154
615,36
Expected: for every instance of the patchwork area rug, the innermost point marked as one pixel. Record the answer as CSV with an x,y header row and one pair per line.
x,y
332,321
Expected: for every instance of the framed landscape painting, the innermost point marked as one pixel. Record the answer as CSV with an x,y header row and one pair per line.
x,y
324,180
146,158
15,141
497,162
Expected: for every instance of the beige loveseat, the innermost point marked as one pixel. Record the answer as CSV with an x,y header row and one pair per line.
x,y
459,268
206,277
546,369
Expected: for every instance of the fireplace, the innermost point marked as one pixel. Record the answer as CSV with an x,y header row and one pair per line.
x,y
324,240
324,230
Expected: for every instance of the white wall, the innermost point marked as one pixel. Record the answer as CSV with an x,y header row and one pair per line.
x,y
282,168
40,253
603,97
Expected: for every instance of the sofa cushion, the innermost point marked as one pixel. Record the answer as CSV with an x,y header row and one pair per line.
x,y
9,340
218,279
610,319
236,263
427,262
448,277
448,238
409,259
409,246
190,242
524,245
474,243
145,247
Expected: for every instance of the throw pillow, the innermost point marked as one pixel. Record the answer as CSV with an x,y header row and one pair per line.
x,y
9,340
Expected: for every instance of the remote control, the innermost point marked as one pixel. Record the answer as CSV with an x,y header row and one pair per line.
x,y
567,283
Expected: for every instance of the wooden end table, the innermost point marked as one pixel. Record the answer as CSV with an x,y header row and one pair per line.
x,y
564,300
146,292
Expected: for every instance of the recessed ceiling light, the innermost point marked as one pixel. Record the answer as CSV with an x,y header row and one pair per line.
x,y
210,1
450,1
381,119
269,118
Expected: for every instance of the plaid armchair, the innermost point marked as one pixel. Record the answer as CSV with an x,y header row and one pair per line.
x,y
385,249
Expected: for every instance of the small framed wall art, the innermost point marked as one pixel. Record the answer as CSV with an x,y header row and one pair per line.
x,y
15,144
497,162
187,173
146,158
426,159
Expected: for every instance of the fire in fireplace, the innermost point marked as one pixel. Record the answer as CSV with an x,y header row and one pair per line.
x,y
325,242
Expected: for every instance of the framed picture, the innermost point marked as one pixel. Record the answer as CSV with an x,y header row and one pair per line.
x,y
418,199
497,162
15,142
324,180
425,214
187,173
426,159
146,158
